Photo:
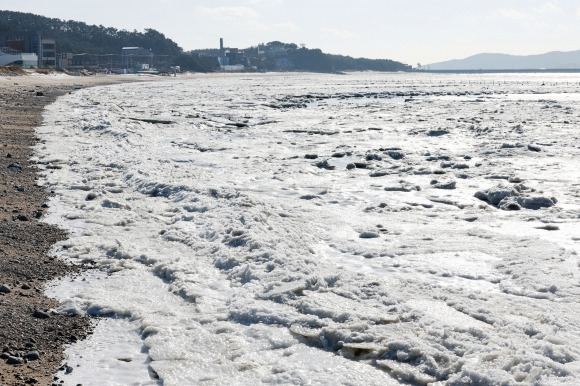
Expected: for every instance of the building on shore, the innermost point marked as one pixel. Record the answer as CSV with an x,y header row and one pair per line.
x,y
233,59
132,57
77,62
28,43
130,60
10,56
48,53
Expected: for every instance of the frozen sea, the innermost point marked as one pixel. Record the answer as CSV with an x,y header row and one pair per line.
x,y
320,229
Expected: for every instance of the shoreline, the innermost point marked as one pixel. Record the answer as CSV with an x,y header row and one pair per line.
x,y
32,337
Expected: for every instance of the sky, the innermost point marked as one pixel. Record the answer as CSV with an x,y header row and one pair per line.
x,y
409,31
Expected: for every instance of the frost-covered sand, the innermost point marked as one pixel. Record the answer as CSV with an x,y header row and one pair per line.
x,y
356,229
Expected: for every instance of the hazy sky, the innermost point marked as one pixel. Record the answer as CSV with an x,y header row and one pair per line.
x,y
409,31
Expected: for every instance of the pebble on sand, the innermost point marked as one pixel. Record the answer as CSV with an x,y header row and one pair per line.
x,y
40,314
14,360
32,355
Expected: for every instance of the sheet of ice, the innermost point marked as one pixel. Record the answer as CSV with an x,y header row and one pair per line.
x,y
112,355
321,228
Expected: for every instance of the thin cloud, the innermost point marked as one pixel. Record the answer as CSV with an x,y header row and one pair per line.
x,y
264,2
548,8
228,13
339,33
289,26
512,14
253,25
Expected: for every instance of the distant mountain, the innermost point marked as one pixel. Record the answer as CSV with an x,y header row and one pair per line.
x,y
555,60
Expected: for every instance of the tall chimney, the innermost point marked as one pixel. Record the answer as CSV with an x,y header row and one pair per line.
x,y
221,44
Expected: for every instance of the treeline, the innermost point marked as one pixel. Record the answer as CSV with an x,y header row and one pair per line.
x,y
78,37
347,63
276,56
193,61
317,61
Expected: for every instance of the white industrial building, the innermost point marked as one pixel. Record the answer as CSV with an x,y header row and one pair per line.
x,y
9,56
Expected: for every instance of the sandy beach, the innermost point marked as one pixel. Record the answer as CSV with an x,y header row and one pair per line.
x,y
32,338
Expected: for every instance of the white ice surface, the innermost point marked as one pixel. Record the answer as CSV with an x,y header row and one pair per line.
x,y
112,355
240,261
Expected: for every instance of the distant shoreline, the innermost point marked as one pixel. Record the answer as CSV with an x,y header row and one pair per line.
x,y
502,71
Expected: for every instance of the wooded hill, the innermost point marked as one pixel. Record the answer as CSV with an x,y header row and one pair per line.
x,y
78,37
276,55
